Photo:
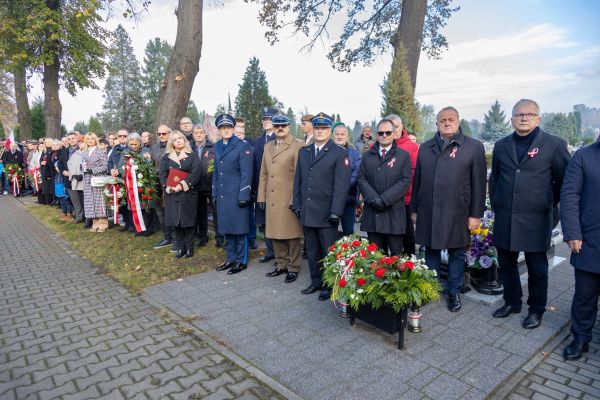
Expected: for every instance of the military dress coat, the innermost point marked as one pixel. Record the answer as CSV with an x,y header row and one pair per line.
x,y
232,182
580,207
524,192
181,207
389,179
449,186
321,184
259,149
276,186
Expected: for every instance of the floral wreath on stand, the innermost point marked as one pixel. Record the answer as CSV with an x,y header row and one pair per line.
x,y
359,273
147,181
14,175
34,175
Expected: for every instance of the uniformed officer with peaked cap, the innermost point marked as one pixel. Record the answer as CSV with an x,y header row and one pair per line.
x,y
321,184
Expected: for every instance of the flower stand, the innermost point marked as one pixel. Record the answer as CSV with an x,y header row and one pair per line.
x,y
384,318
485,281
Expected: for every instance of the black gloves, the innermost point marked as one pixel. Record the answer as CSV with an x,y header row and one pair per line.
x,y
377,204
214,201
296,211
242,203
261,206
333,219
78,178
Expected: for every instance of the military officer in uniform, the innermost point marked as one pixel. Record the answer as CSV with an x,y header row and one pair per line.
x,y
232,180
275,190
321,184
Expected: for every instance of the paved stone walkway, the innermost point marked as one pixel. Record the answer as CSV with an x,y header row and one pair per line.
x,y
69,332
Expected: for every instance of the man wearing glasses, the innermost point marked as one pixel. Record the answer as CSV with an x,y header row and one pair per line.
x,y
528,167
448,197
157,150
384,177
186,127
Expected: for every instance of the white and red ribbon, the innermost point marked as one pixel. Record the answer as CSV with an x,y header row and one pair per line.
x,y
115,193
36,173
454,151
533,152
15,185
133,197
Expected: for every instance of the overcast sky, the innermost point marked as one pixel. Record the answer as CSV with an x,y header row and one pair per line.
x,y
547,50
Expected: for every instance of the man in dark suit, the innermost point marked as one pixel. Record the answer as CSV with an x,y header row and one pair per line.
x,y
448,197
259,149
231,187
384,177
321,184
528,167
580,222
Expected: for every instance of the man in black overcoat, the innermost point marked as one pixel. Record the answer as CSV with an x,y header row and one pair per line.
x,y
448,197
580,222
259,149
384,177
206,152
321,184
528,167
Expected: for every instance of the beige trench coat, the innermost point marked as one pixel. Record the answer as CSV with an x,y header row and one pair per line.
x,y
275,188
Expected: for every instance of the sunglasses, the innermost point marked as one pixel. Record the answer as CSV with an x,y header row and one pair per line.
x,y
122,136
384,133
163,133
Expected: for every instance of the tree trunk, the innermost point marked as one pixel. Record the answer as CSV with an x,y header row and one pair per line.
x,y
23,115
410,34
52,106
183,65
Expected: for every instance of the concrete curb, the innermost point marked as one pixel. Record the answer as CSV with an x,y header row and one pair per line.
x,y
239,361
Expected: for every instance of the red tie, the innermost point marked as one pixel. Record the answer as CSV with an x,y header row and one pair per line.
x,y
383,151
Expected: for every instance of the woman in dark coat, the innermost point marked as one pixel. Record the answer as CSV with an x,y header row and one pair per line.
x,y
181,200
47,171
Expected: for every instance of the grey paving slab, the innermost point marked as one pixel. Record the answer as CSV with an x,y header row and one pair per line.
x,y
69,332
304,343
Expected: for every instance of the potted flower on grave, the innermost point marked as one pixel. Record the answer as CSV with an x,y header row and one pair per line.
x,y
377,288
482,257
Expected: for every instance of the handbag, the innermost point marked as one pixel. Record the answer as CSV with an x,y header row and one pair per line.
x,y
59,189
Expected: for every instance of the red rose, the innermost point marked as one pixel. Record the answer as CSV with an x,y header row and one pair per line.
x,y
380,272
139,190
389,261
401,267
338,256
410,265
342,282
363,253
356,243
382,260
372,247
150,191
332,248
361,281
345,246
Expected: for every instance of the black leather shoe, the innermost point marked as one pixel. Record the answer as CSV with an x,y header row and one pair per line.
x,y
252,245
218,243
225,266
179,253
202,242
574,350
265,259
454,304
276,272
532,321
189,253
505,311
291,277
237,268
325,294
311,289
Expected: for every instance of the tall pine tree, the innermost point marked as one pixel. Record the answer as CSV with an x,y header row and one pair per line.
x,y
81,127
94,125
156,61
495,125
123,103
253,95
398,94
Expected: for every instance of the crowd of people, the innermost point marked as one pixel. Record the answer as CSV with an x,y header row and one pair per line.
x,y
289,188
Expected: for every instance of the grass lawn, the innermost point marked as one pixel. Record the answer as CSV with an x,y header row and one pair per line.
x,y
128,259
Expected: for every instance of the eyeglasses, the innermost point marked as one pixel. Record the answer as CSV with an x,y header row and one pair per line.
x,y
527,117
384,133
122,136
163,133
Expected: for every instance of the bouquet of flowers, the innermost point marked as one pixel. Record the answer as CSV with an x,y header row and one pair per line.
x,y
14,175
34,175
482,253
147,181
115,186
360,273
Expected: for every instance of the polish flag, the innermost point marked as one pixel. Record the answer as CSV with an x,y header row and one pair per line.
x,y
9,140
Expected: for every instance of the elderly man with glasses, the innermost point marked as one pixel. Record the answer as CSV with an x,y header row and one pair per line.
x,y
187,127
528,167
448,197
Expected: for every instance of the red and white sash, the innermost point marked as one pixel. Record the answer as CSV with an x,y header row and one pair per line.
x,y
15,185
132,196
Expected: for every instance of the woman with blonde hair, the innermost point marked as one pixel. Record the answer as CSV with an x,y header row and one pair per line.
x,y
180,193
94,164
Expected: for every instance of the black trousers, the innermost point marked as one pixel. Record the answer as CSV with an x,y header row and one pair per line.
x,y
409,236
166,230
184,238
584,308
537,281
389,244
318,241
202,216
